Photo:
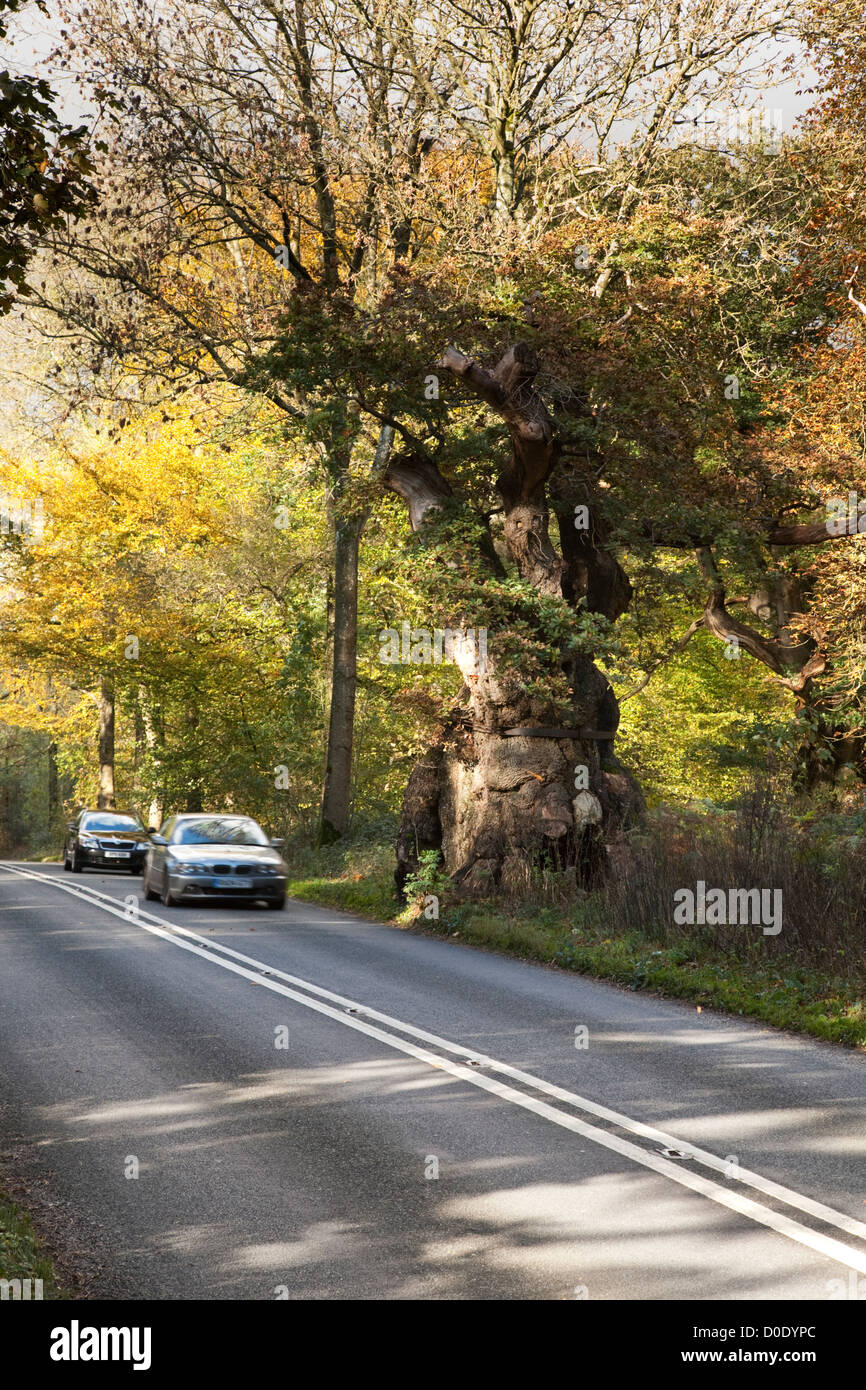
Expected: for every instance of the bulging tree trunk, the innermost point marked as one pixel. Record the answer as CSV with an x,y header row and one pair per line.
x,y
511,782
502,791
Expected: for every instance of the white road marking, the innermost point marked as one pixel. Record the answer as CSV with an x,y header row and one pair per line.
x,y
212,951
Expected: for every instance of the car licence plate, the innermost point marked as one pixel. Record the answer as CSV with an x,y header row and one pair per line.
x,y
225,881
117,853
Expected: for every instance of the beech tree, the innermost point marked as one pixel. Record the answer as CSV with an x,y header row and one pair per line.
x,y
254,151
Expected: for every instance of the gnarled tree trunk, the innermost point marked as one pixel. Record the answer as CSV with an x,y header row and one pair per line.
x,y
795,659
511,781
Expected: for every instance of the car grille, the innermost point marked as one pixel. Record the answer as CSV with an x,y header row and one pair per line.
x,y
233,868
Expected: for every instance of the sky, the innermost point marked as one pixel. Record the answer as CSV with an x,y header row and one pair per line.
x,y
33,35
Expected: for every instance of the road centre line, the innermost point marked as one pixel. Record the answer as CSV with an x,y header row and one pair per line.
x,y
747,1178
735,1201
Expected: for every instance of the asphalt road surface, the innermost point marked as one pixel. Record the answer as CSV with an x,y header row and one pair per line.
x,y
242,1103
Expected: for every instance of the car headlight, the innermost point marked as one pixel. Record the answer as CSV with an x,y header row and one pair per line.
x,y
89,841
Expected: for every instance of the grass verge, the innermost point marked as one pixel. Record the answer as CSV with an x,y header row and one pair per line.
x,y
22,1255
798,998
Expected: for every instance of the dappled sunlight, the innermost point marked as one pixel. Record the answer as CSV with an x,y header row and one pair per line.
x,y
137,1110
497,1221
698,1035
611,1236
197,1102
756,1124
552,1229
323,1241
192,1239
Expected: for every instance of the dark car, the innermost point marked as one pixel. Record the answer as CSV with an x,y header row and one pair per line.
x,y
105,840
200,856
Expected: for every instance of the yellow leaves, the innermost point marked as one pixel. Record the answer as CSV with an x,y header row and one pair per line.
x,y
124,527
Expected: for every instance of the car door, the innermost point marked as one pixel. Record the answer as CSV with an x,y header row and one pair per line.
x,y
156,855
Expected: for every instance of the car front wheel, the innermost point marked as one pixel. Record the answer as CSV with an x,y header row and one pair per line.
x,y
148,891
77,862
166,897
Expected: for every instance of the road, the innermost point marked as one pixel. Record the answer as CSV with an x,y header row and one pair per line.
x,y
321,1107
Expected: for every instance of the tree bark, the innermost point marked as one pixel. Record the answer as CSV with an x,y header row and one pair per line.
x,y
336,797
493,799
780,601
105,795
149,723
194,785
53,787
348,530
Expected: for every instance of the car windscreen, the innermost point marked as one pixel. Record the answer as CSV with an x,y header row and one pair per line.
x,y
111,823
216,831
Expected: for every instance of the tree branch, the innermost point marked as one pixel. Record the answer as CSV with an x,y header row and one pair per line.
x,y
663,660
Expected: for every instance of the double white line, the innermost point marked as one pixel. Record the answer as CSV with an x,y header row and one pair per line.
x,y
474,1068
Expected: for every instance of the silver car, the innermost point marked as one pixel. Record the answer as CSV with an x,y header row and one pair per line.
x,y
201,856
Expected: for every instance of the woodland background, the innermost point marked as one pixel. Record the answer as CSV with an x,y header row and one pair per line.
x,y
228,303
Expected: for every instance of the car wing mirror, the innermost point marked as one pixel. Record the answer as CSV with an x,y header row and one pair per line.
x,y
159,840
152,830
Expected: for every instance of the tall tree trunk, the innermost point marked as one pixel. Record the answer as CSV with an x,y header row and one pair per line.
x,y
146,741
348,530
53,778
53,798
6,835
338,772
105,796
194,787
